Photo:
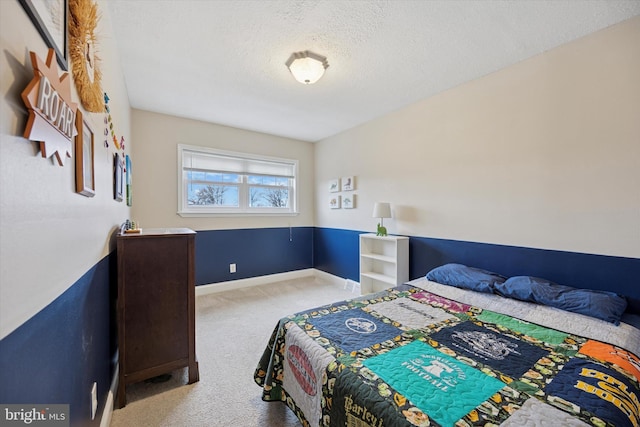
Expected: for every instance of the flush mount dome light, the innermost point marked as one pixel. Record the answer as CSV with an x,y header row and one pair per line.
x,y
307,67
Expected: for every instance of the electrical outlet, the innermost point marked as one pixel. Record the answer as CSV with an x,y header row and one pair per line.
x,y
232,268
94,400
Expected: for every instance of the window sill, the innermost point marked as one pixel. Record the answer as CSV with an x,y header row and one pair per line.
x,y
234,214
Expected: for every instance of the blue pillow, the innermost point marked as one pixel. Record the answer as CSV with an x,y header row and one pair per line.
x,y
603,305
464,277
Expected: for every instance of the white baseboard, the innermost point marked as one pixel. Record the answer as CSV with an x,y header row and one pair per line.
x,y
349,284
252,281
105,420
271,278
353,285
335,280
328,277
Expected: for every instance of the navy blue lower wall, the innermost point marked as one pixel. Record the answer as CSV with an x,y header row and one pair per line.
x,y
588,271
336,252
55,356
255,251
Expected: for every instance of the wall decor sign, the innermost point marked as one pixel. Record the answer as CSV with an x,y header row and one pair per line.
x,y
85,180
83,19
52,114
50,19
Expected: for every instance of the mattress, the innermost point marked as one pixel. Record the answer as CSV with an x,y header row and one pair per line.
x,y
425,354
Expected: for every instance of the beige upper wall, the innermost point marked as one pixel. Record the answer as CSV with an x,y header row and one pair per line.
x,y
49,235
544,154
155,170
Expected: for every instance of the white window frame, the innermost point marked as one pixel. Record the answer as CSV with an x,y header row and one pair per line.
x,y
185,210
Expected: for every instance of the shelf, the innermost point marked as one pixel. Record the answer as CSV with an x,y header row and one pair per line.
x,y
380,277
384,262
379,257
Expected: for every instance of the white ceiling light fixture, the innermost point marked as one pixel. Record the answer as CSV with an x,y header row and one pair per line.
x,y
307,67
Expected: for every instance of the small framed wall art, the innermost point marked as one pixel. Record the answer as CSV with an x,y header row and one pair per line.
x,y
128,180
348,183
85,179
118,181
50,19
348,201
334,185
334,202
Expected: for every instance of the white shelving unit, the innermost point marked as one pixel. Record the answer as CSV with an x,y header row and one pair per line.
x,y
384,262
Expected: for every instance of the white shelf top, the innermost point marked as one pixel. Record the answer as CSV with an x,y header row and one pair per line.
x,y
389,236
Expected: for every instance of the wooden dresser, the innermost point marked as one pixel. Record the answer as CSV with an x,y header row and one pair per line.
x,y
156,305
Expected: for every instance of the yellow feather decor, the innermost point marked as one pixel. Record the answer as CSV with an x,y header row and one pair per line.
x,y
83,19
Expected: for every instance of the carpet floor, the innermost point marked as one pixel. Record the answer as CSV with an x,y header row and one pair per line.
x,y
232,330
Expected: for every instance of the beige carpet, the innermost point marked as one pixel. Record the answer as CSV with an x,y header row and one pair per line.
x,y
232,330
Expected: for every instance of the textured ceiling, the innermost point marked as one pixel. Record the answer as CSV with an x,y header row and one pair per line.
x,y
222,61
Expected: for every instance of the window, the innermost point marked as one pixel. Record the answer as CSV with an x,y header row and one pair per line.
x,y
222,182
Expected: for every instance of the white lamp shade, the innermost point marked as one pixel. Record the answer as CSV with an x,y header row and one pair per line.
x,y
307,67
382,210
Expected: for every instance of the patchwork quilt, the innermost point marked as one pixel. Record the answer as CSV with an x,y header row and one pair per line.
x,y
408,357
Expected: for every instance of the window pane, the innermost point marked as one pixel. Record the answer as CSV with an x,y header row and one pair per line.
x,y
214,177
192,190
262,180
212,195
255,197
195,176
261,197
231,178
269,180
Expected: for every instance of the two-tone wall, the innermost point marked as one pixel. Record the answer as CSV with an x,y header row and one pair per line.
x,y
258,245
56,296
543,154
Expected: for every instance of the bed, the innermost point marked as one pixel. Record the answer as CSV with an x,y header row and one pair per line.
x,y
428,354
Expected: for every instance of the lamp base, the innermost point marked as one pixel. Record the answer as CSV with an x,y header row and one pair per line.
x,y
382,231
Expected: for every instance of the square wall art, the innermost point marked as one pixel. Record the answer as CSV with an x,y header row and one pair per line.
x,y
348,183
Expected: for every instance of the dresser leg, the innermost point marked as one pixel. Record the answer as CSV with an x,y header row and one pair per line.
x,y
121,399
194,373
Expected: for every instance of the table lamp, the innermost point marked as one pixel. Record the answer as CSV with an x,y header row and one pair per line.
x,y
381,210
